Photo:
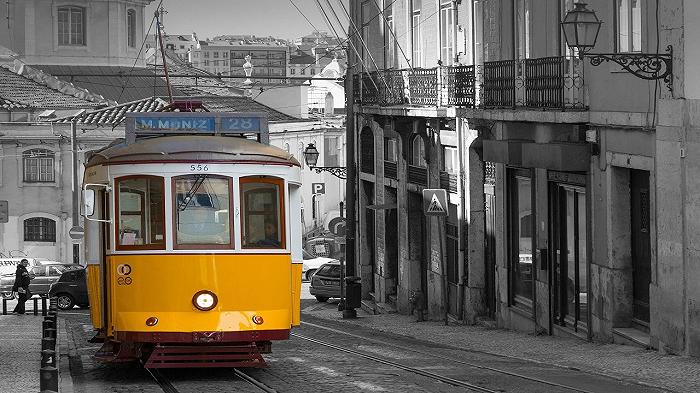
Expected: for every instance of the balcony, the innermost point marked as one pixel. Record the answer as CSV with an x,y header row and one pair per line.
x,y
547,83
554,83
440,86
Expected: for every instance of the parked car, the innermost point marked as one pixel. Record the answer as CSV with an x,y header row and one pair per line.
x,y
42,276
325,284
312,263
70,289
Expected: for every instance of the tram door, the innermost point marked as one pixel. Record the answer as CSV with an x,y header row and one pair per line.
x,y
105,244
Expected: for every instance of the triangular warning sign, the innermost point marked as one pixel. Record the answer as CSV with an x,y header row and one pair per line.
x,y
435,205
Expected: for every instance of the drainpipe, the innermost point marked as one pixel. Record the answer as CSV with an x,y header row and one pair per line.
x,y
462,220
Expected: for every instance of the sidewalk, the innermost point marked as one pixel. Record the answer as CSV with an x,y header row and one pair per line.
x,y
632,364
20,349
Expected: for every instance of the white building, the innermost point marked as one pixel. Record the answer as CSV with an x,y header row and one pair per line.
x,y
76,32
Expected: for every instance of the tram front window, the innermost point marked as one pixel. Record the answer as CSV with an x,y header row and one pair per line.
x,y
263,213
140,212
202,210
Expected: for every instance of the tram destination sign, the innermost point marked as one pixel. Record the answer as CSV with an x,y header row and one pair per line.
x,y
192,123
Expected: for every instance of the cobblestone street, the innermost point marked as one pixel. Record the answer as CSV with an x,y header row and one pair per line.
x,y
329,354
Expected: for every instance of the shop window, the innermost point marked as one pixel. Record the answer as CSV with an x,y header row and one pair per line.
x,y
140,213
202,211
39,229
263,212
520,231
38,166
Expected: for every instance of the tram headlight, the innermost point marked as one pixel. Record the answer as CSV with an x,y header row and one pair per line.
x,y
257,319
204,300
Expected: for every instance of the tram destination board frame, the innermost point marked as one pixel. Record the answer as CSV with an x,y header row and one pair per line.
x,y
197,123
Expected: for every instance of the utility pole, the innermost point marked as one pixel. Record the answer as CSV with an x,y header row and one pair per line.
x,y
350,184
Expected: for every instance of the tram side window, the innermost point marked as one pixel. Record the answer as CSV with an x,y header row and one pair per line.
x,y
202,210
140,212
263,212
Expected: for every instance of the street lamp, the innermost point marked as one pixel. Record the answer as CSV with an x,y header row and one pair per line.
x,y
581,27
311,157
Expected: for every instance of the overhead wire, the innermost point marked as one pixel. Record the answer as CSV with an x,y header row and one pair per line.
x,y
330,25
143,43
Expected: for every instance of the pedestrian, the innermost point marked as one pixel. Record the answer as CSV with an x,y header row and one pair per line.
x,y
21,286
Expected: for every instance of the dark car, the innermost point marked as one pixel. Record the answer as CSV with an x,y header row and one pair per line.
x,y
325,284
70,289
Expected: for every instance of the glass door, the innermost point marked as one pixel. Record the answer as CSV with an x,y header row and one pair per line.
x,y
569,268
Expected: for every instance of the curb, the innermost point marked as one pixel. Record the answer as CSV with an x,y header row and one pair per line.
x,y
65,379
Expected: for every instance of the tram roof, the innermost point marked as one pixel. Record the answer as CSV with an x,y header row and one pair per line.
x,y
191,149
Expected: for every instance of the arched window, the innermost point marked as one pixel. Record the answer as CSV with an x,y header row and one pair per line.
x,y
71,25
418,152
131,28
367,150
39,229
38,166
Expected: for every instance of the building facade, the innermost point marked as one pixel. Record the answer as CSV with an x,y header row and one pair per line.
x,y
79,32
228,58
570,174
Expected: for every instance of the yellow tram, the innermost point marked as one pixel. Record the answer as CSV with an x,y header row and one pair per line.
x,y
193,242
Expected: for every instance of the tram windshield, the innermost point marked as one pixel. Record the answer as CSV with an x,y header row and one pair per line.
x,y
202,210
140,207
263,222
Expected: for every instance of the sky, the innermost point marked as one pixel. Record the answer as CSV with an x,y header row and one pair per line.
x,y
278,18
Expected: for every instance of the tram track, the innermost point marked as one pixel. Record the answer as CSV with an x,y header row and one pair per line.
x,y
428,374
433,355
167,385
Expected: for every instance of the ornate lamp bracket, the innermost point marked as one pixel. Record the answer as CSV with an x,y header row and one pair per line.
x,y
650,66
338,171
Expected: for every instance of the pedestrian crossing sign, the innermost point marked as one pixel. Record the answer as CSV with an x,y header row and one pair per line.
x,y
435,202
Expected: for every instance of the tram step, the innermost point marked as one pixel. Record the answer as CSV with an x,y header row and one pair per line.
x,y
186,356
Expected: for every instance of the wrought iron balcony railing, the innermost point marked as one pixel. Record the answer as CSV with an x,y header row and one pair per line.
x,y
541,83
441,86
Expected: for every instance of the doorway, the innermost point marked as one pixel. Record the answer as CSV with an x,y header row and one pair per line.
x,y
368,190
391,239
569,273
490,238
641,247
416,240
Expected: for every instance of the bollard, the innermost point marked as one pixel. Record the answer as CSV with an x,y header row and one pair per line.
x,y
36,306
48,358
50,333
43,306
47,324
4,306
48,343
48,380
